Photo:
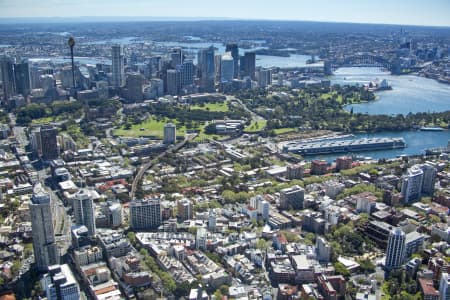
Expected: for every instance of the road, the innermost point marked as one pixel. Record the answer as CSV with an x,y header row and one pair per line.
x,y
150,164
255,116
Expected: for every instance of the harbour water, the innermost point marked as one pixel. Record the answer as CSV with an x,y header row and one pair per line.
x,y
409,93
416,143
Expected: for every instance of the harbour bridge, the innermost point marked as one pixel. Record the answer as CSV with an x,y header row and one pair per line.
x,y
361,60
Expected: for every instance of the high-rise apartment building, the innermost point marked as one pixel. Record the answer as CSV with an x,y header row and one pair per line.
x,y
60,283
84,211
118,67
292,197
184,209
170,134
45,251
429,178
412,184
395,251
145,214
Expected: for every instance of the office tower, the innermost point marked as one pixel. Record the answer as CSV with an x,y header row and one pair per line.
x,y
45,252
118,68
22,78
412,184
234,50
206,68
173,82
176,57
444,289
264,78
8,82
292,197
83,210
395,249
248,65
226,68
429,178
49,144
145,214
170,133
187,73
184,209
133,90
60,284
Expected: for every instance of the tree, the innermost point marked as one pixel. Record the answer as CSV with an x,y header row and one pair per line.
x,y
131,237
341,269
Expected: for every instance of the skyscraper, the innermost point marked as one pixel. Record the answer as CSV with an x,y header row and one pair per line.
x,y
176,57
83,209
248,65
118,68
395,249
187,73
170,133
173,79
206,67
8,82
22,78
145,214
226,68
44,246
234,50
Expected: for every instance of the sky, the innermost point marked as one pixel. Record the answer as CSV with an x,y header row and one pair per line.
x,y
405,12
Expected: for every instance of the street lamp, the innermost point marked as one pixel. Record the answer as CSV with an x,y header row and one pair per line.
x,y
71,43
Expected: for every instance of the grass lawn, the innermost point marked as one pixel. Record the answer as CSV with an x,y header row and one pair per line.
x,y
217,107
284,130
150,127
256,126
43,120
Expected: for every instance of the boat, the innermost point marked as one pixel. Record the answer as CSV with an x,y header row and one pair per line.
x,y
433,128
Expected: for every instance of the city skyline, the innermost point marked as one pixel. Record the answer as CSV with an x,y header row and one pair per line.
x,y
430,13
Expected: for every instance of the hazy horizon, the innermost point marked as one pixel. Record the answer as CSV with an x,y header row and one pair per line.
x,y
400,12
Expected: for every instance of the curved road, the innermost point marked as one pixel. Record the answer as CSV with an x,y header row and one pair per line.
x,y
150,164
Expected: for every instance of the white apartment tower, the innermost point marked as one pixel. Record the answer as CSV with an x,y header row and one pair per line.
x,y
83,209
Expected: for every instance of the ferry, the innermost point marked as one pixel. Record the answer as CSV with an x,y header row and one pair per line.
x,y
434,128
